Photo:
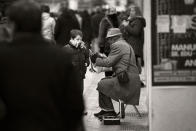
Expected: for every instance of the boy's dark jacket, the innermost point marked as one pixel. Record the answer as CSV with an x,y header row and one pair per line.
x,y
80,58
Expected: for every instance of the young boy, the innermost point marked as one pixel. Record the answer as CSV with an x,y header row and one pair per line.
x,y
80,53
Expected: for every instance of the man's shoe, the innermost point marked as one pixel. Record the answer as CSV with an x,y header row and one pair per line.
x,y
99,113
142,84
111,113
105,113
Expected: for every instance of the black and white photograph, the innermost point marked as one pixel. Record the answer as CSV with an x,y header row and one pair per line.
x,y
97,65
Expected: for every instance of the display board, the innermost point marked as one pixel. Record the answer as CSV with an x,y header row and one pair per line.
x,y
173,42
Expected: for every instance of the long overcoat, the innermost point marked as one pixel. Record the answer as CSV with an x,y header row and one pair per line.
x,y
121,55
38,86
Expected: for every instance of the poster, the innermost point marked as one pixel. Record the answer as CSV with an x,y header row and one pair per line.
x,y
179,23
180,67
173,44
163,23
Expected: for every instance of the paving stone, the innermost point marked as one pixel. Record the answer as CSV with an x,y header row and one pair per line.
x,y
131,122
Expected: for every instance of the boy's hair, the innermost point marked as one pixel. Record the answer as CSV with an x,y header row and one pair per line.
x,y
45,8
75,32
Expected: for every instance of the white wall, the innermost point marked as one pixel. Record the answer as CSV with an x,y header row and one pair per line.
x,y
170,108
174,109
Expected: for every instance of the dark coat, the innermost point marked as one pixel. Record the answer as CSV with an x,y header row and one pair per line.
x,y
95,21
39,87
134,34
86,28
79,59
120,57
64,24
104,26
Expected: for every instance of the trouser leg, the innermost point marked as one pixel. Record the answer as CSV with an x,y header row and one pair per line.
x,y
105,102
139,63
108,73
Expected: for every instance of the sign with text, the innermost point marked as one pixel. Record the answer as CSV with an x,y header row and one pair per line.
x,y
173,43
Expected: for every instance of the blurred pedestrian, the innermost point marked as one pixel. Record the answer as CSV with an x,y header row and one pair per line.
x,y
95,21
133,32
109,21
86,28
123,16
38,83
64,24
48,23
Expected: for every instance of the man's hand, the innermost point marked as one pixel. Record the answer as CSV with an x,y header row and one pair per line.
x,y
94,57
102,55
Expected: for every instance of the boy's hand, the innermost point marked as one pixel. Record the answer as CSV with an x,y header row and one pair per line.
x,y
82,45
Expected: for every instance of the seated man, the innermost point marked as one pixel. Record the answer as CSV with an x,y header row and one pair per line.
x,y
121,57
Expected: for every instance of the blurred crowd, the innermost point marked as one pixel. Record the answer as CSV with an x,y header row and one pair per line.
x,y
44,58
57,25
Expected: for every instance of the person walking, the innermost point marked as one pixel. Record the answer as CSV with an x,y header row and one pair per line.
x,y
48,23
64,24
38,84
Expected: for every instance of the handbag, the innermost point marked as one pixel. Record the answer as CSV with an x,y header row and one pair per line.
x,y
123,76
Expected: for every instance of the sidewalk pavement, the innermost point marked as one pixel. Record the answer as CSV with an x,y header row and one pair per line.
x,y
131,122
